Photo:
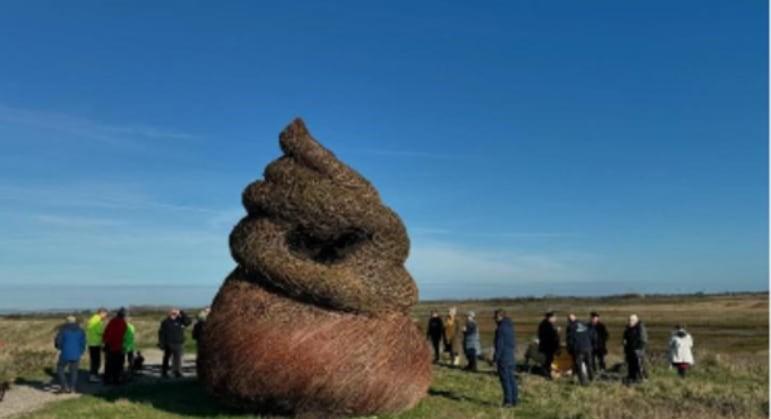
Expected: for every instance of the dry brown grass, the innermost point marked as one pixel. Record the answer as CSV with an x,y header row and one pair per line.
x,y
27,342
730,379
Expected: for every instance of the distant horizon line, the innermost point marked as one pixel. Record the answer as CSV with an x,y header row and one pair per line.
x,y
627,295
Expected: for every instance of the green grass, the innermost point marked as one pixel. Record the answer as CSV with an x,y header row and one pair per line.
x,y
730,379
715,390
26,341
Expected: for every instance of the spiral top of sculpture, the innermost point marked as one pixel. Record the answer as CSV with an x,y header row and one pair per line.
x,y
320,294
317,230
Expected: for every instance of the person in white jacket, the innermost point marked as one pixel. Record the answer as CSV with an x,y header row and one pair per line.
x,y
680,350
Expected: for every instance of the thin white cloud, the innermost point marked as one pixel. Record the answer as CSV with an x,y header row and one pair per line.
x,y
76,221
125,135
151,255
443,263
227,218
93,195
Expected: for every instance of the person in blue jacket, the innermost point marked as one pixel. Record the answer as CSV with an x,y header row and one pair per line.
x,y
71,343
505,348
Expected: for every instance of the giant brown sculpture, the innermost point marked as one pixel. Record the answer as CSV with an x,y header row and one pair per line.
x,y
315,317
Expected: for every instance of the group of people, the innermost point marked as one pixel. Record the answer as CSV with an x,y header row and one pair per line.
x,y
455,335
114,337
585,342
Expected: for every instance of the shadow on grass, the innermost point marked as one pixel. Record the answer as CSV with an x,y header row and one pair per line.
x,y
521,371
450,395
180,396
47,386
52,385
463,370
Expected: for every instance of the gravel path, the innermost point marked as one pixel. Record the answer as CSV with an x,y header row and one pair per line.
x,y
26,396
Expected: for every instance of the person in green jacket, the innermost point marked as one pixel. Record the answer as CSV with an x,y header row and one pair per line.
x,y
129,345
94,331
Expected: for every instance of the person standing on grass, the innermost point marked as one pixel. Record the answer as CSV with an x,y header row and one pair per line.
x,y
505,348
434,333
548,341
94,331
635,340
199,324
579,344
471,345
680,350
114,335
129,344
171,339
600,337
71,343
453,336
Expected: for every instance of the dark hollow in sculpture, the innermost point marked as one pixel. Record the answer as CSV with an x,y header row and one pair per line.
x,y
315,317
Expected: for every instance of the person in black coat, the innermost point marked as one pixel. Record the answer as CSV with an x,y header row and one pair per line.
x,y
171,338
635,340
548,341
434,333
600,337
199,325
579,344
505,349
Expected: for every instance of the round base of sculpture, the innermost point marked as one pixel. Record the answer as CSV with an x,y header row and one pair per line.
x,y
265,352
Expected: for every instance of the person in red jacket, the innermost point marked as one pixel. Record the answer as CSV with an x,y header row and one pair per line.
x,y
113,342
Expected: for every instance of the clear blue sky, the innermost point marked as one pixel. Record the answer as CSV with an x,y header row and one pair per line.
x,y
530,147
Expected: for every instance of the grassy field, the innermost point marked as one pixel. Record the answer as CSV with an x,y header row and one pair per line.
x,y
729,380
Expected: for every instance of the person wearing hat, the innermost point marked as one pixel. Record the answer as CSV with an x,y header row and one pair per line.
x,y
471,345
600,337
114,336
71,342
548,341
681,350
